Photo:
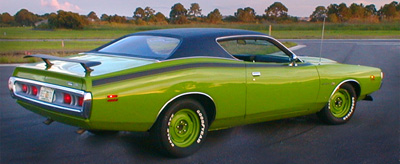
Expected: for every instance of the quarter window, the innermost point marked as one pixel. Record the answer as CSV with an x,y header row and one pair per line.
x,y
156,47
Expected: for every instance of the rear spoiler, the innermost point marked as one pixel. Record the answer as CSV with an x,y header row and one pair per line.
x,y
84,63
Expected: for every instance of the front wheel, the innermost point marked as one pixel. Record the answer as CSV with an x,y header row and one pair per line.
x,y
341,106
182,128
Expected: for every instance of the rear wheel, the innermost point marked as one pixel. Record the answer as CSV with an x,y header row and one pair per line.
x,y
341,106
181,129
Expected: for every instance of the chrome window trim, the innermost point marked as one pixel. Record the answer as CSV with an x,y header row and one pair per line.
x,y
83,111
120,56
294,56
194,57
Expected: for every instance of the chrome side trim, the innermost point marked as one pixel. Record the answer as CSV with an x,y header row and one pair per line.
x,y
180,95
341,83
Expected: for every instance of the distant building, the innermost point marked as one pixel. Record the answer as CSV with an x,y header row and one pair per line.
x,y
304,19
45,21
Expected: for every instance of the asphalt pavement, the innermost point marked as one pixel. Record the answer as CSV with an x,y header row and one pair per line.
x,y
371,136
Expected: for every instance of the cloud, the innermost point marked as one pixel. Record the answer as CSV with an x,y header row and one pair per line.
x,y
66,6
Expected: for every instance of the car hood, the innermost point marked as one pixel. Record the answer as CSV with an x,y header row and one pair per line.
x,y
109,64
316,60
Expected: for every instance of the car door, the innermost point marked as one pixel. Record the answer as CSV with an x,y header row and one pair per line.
x,y
277,85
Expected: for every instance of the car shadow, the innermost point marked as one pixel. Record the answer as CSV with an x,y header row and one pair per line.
x,y
141,144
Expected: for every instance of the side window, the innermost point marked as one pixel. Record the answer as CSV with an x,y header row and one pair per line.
x,y
255,50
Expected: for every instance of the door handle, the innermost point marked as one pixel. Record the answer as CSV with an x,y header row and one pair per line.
x,y
255,74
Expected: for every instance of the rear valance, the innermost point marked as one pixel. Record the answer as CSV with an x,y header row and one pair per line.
x,y
84,63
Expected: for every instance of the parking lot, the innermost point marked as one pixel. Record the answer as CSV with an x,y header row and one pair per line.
x,y
372,136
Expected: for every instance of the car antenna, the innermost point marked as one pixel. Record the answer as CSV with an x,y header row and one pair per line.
x,y
322,39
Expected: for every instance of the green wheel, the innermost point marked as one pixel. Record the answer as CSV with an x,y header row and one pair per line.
x,y
184,128
341,106
181,129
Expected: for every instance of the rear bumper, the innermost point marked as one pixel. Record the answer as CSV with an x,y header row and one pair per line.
x,y
57,116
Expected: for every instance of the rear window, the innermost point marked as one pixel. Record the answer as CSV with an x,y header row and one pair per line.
x,y
155,47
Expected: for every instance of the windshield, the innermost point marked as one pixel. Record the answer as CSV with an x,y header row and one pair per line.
x,y
155,47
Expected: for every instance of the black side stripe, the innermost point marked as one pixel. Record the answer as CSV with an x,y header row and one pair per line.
x,y
162,70
178,67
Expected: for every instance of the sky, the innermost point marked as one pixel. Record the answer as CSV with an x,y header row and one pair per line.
x,y
299,8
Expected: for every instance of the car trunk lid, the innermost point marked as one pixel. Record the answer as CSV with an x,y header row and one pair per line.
x,y
74,75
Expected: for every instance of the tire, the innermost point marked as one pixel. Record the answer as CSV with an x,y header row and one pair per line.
x,y
341,106
181,129
103,132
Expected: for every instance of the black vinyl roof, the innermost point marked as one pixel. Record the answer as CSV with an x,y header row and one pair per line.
x,y
194,41
199,41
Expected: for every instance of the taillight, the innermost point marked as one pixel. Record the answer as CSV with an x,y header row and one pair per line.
x,y
24,88
80,101
67,98
34,90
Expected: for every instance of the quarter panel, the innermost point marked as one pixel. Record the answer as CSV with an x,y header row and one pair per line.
x,y
333,74
141,98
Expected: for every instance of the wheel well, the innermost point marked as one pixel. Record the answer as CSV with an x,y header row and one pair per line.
x,y
205,101
356,87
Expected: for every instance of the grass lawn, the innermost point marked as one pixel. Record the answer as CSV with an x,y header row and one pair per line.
x,y
279,31
11,51
21,46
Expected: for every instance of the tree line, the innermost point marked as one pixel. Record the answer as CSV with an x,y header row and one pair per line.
x,y
275,13
356,12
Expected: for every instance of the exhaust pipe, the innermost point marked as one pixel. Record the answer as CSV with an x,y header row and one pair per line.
x,y
80,131
48,121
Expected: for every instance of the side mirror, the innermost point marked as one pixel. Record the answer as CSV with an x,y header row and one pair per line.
x,y
294,60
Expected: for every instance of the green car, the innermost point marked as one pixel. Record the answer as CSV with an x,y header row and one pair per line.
x,y
180,83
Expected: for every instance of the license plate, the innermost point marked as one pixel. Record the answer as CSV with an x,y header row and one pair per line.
x,y
46,94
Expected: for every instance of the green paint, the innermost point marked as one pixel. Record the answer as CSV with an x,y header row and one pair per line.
x,y
280,92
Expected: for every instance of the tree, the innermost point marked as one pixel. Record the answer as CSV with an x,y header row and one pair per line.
x,y
194,10
357,11
25,18
277,11
344,13
159,18
246,15
370,10
178,14
139,13
6,18
93,16
333,13
214,16
319,14
117,19
148,12
390,11
67,20
104,17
